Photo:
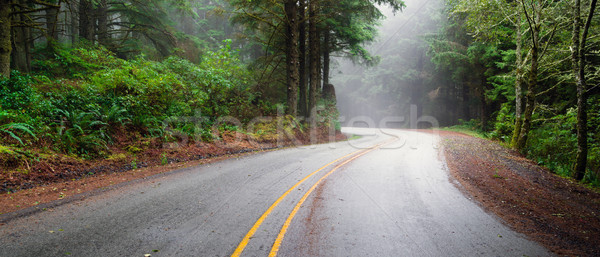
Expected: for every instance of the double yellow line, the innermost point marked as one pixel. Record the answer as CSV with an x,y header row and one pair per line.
x,y
238,251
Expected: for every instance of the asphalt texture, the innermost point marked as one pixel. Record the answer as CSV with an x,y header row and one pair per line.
x,y
395,200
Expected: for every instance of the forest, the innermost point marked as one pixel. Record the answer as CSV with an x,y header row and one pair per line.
x,y
523,73
97,81
88,79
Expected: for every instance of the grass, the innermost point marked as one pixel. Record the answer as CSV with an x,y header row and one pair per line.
x,y
465,130
354,137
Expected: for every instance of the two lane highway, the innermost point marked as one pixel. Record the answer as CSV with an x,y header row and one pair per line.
x,y
385,194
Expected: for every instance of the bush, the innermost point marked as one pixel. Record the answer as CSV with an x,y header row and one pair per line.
x,y
78,98
16,92
74,62
553,142
81,133
505,124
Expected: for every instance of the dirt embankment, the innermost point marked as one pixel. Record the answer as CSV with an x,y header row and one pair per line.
x,y
559,213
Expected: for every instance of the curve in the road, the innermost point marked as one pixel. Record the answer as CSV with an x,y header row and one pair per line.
x,y
352,156
288,221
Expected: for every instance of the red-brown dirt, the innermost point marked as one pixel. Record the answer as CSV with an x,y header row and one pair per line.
x,y
557,212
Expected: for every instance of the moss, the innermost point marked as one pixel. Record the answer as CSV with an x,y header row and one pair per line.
x,y
119,156
133,149
9,159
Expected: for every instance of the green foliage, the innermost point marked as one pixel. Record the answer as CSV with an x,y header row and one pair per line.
x,y
329,114
504,125
134,163
553,142
16,92
14,129
163,159
75,62
82,97
81,133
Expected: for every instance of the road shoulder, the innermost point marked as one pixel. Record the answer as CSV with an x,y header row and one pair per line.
x,y
557,212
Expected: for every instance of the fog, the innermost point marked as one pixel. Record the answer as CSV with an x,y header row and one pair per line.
x,y
377,94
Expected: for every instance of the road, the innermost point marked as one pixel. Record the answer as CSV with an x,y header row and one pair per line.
x,y
387,193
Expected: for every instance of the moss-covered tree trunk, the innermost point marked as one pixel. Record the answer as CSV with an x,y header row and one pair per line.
x,y
534,20
291,11
531,93
578,54
5,38
518,84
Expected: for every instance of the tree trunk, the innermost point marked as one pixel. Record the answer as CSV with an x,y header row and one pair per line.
x,y
291,11
531,92
534,28
102,16
21,53
303,108
5,38
466,109
51,25
578,60
326,59
483,102
314,56
86,20
518,86
74,22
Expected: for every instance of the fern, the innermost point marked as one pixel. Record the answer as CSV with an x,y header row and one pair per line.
x,y
13,128
83,133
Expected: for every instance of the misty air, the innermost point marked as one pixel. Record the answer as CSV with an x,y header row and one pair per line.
x,y
299,128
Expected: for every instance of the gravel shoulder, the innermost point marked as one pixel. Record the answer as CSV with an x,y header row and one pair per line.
x,y
557,212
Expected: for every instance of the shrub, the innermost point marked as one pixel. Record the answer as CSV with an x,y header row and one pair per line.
x,y
553,142
505,124
81,133
76,62
16,92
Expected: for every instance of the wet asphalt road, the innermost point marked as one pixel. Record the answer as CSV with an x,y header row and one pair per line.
x,y
396,200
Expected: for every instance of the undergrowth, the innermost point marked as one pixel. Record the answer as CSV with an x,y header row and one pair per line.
x,y
552,143
86,103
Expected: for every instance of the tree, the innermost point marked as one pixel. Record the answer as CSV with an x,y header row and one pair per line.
x,y
52,22
578,58
270,27
292,65
533,12
303,88
86,20
5,38
314,53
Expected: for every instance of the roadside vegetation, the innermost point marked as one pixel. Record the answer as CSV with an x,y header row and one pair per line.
x,y
547,150
97,86
84,104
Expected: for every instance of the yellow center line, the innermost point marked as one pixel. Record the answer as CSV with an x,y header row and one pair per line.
x,y
240,248
288,221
